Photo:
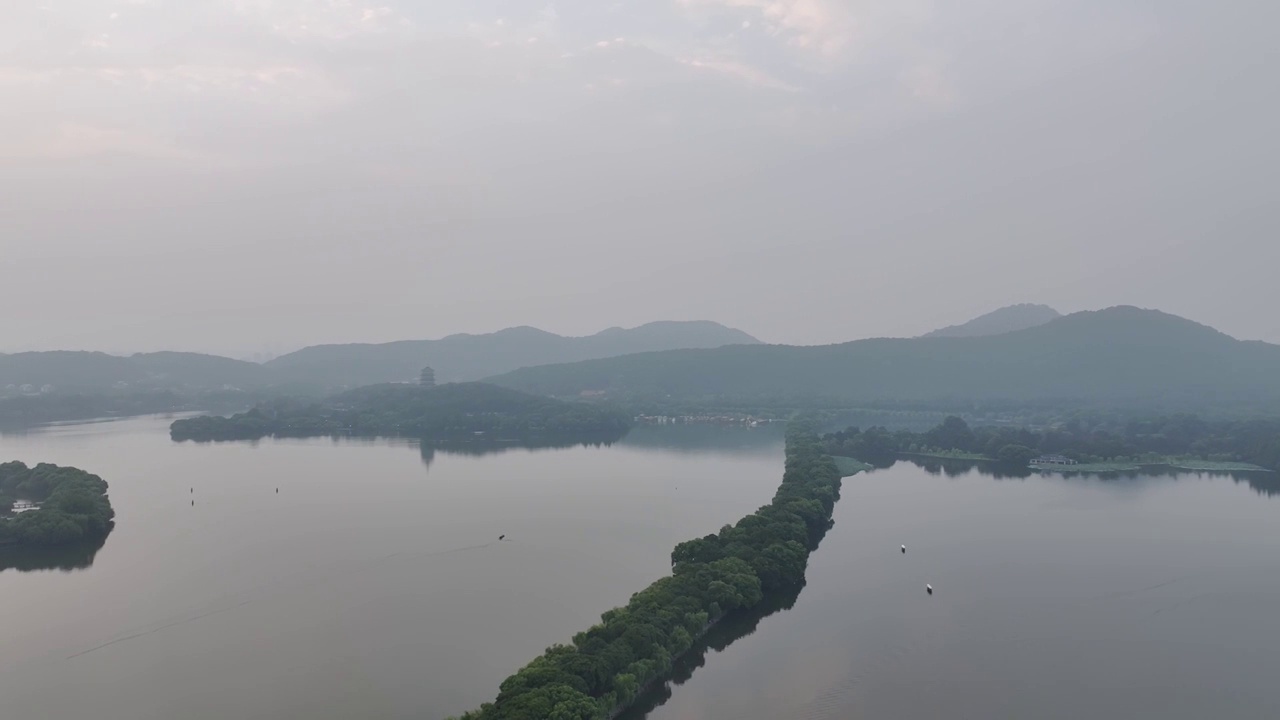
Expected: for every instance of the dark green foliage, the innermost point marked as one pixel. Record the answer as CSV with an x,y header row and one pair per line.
x,y
1081,439
606,666
1117,357
73,505
952,434
1015,455
445,411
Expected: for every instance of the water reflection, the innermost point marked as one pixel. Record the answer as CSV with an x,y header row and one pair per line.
x,y
695,438
379,594
1266,484
1059,596
732,628
739,626
479,446
66,558
957,468
686,438
472,446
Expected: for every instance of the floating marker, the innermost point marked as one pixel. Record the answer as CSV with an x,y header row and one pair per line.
x,y
929,588
904,549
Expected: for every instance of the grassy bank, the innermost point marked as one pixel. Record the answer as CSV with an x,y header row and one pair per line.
x,y
1215,466
849,466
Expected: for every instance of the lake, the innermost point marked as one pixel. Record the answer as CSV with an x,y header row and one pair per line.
x,y
373,585
1056,597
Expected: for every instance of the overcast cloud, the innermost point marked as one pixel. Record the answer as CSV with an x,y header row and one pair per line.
x,y
240,175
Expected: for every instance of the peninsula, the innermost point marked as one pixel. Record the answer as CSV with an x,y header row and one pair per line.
x,y
605,668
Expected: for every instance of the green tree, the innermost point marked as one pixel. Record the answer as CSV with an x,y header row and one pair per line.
x,y
1016,455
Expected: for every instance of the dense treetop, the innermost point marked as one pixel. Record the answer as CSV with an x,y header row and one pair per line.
x,y
73,505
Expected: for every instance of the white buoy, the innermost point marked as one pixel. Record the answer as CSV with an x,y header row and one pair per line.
x,y
929,588
904,549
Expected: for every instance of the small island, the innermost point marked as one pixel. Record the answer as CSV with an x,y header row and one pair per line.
x,y
48,505
445,412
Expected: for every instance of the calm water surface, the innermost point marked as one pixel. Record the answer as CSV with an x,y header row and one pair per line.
x,y
370,586
1056,597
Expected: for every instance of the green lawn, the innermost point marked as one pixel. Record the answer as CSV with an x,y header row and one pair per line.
x,y
1090,467
848,466
1214,465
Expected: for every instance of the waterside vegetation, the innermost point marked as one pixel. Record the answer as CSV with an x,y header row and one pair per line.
x,y
1179,441
606,668
70,505
442,412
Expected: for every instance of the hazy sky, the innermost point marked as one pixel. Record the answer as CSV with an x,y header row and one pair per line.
x,y
241,175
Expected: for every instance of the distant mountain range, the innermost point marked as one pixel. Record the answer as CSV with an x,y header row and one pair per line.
x,y
998,322
88,372
461,358
455,358
1118,356
1122,356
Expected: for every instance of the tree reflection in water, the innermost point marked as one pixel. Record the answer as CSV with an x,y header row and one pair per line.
x,y
1266,484
479,446
729,630
66,558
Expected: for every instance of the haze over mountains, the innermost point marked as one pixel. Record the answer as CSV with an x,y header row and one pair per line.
x,y
1122,355
997,322
1118,356
68,371
460,358
455,358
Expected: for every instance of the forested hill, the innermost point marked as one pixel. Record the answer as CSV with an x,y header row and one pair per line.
x,y
443,412
80,372
1118,356
460,358
998,322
